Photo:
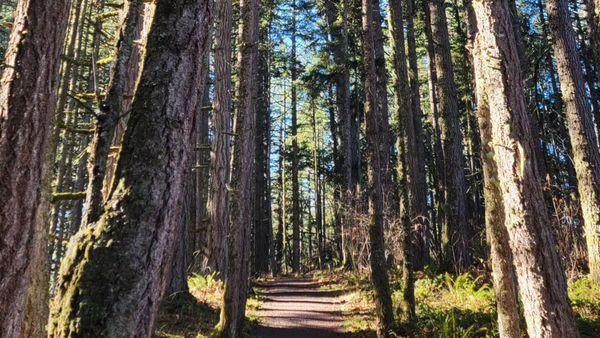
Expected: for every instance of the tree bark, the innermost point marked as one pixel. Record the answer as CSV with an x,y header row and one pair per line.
x,y
456,228
236,287
114,274
542,283
221,149
376,108
503,270
580,122
27,91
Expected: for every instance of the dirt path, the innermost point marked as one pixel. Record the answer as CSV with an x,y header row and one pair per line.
x,y
297,307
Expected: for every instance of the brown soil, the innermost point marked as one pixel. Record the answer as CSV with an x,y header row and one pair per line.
x,y
297,307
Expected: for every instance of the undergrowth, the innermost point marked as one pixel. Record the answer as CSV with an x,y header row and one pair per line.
x,y
195,314
452,306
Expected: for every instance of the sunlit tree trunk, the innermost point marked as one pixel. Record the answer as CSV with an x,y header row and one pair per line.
x,y
503,270
542,283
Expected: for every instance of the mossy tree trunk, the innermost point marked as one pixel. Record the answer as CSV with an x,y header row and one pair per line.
x,y
503,270
114,274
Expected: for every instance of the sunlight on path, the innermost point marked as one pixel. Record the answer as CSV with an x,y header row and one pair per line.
x,y
296,307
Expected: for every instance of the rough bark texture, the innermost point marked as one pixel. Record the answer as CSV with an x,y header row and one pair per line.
x,y
542,284
503,271
242,181
377,125
111,109
221,149
114,273
27,91
456,241
580,123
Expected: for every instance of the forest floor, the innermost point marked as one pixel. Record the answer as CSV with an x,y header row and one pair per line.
x,y
341,304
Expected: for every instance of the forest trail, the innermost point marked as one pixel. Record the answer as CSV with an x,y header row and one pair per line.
x,y
297,307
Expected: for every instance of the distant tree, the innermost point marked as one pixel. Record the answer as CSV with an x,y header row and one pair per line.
x,y
233,309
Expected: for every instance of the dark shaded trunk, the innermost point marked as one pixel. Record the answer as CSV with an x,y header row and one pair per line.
x,y
263,232
114,274
27,92
378,132
294,151
419,216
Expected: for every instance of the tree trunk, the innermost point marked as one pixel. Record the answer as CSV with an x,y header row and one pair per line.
x,y
420,216
439,173
580,122
262,216
407,156
279,237
542,284
236,287
503,270
27,93
294,151
220,164
114,274
376,115
456,241
593,21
